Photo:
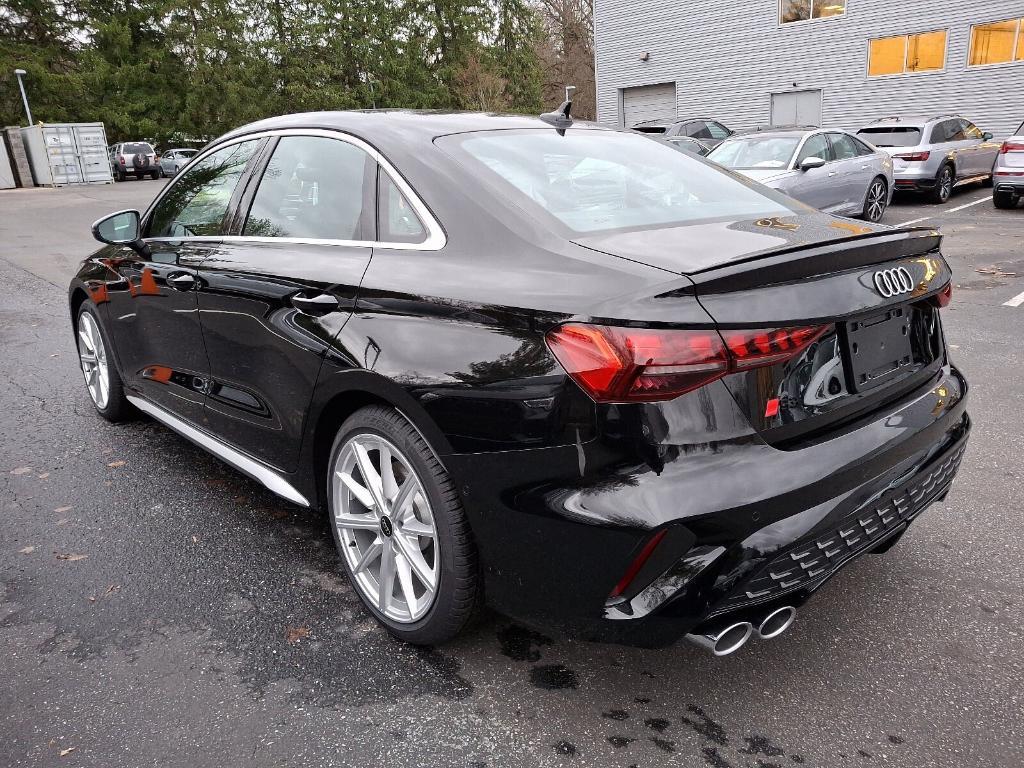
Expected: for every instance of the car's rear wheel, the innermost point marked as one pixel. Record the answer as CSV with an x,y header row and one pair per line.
x,y
102,380
876,201
400,528
943,184
1004,199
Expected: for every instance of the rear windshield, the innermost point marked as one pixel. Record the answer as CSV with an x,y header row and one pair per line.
x,y
651,128
753,152
899,136
136,148
599,181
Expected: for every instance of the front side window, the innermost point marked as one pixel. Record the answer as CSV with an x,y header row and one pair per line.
x,y
314,187
590,181
924,52
804,10
197,202
844,147
997,43
816,146
971,131
756,152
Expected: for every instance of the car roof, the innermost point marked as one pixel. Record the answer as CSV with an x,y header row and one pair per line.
x,y
386,128
675,121
910,121
781,131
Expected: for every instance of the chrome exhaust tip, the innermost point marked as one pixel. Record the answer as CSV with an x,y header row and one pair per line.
x,y
725,641
776,622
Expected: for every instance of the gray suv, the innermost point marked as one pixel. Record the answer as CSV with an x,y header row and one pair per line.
x,y
934,154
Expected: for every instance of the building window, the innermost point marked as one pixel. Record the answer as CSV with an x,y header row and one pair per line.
x,y
804,10
907,53
997,43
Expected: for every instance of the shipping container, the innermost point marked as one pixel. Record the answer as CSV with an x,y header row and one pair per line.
x,y
67,153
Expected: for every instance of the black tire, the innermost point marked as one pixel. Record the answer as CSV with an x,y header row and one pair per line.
x,y
120,175
117,407
1004,200
155,174
870,212
459,593
944,181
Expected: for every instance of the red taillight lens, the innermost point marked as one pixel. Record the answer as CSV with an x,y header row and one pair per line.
x,y
943,297
624,365
638,563
1011,146
914,157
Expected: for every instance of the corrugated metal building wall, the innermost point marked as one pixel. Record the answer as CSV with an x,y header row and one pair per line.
x,y
727,59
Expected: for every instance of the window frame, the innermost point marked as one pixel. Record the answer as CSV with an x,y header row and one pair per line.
x,y
906,53
436,238
810,20
1016,44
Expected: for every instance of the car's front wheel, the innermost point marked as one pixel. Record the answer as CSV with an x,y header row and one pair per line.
x,y
400,528
876,201
102,380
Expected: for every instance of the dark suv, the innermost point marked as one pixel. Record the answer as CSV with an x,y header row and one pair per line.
x,y
710,132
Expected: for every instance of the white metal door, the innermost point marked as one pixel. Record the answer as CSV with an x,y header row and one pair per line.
x,y
796,108
648,102
91,140
62,153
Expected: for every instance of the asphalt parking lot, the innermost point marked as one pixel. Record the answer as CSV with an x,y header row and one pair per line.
x,y
158,608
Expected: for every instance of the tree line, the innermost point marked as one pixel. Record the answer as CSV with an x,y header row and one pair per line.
x,y
169,70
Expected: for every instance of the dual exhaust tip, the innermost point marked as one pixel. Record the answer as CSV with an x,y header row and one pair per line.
x,y
732,637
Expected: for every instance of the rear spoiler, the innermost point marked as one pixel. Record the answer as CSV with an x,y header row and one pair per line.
x,y
798,263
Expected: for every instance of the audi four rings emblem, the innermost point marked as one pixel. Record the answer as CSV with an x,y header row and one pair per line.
x,y
893,282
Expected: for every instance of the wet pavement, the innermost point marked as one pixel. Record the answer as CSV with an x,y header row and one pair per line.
x,y
160,609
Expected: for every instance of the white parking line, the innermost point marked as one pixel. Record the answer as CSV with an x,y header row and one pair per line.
x,y
1016,301
951,210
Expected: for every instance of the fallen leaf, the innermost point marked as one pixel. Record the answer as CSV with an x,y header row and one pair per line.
x,y
44,475
116,464
294,634
62,521
21,470
62,510
68,751
70,557
27,550
195,539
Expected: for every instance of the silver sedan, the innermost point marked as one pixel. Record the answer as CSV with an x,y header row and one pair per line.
x,y
173,160
829,169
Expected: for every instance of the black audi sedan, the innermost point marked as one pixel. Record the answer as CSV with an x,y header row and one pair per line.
x,y
601,385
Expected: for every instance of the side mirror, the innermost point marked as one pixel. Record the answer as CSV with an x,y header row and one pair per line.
x,y
121,228
987,136
811,162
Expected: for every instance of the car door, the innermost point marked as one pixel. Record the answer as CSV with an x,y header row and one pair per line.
x,y
984,151
817,187
853,172
281,288
153,306
167,162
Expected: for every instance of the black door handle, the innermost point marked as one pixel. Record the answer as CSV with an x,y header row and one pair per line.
x,y
318,305
181,281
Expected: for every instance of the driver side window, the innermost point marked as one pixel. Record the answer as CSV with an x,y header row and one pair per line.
x,y
816,146
197,203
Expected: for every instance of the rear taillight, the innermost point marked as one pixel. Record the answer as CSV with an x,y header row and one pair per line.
x,y
914,157
638,562
1011,146
120,160
625,365
943,297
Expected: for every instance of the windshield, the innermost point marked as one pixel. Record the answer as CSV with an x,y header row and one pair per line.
x,y
186,152
752,152
596,181
136,149
893,136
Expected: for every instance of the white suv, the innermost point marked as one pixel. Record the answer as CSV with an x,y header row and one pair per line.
x,y
1008,177
133,157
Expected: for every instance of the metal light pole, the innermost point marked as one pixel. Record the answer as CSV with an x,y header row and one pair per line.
x,y
24,98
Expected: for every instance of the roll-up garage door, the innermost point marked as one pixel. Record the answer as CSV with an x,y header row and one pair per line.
x,y
648,102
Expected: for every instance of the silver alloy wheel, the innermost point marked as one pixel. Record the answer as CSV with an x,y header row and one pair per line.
x,y
386,527
946,183
876,201
94,360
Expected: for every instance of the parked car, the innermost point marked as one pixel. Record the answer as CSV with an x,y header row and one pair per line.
x,y
609,386
686,144
709,132
133,157
173,160
934,154
1008,181
830,170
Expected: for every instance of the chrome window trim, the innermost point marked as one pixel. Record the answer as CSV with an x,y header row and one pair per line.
x,y
435,240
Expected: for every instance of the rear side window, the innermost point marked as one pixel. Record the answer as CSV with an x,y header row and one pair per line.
x,y
892,136
314,187
197,202
397,222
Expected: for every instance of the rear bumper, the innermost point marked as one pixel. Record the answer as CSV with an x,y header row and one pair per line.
x,y
558,527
